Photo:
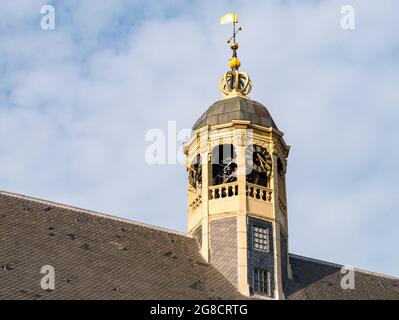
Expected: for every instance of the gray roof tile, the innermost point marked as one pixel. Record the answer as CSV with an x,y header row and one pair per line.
x,y
237,108
97,256
319,280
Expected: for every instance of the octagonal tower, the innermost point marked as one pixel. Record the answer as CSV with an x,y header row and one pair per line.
x,y
237,203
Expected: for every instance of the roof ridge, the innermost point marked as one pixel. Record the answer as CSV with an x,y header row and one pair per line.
x,y
92,212
327,263
332,264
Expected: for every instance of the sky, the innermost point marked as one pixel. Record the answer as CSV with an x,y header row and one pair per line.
x,y
76,103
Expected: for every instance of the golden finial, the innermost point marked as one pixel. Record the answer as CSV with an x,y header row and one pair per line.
x,y
233,82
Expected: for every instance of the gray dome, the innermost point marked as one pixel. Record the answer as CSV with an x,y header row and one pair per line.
x,y
237,108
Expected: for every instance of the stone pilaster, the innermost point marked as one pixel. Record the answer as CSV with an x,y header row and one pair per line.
x,y
204,150
242,242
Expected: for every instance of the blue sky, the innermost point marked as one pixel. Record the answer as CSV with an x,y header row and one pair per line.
x,y
77,101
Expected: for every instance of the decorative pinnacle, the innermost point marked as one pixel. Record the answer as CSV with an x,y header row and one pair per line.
x,y
234,82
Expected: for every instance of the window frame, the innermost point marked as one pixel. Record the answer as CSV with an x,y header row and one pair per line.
x,y
262,282
257,240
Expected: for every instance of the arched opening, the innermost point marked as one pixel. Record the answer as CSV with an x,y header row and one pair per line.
x,y
259,166
281,180
195,173
224,166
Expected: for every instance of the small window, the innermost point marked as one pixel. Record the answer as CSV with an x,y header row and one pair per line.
x,y
260,238
262,282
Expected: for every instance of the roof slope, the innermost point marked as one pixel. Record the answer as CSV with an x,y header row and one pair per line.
x,y
237,108
314,279
98,257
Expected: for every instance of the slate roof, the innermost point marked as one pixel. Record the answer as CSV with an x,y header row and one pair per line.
x,y
237,108
320,280
96,256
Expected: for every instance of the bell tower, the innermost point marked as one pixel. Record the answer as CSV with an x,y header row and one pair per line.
x,y
237,204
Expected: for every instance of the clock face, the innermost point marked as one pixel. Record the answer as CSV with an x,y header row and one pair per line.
x,y
195,173
261,166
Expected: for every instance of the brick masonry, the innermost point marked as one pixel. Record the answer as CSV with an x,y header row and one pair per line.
x,y
223,247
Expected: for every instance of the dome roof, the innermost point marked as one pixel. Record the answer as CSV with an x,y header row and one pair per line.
x,y
237,108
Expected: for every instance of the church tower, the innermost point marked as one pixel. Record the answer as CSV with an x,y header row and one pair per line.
x,y
237,204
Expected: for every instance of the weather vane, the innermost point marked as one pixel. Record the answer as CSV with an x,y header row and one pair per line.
x,y
234,83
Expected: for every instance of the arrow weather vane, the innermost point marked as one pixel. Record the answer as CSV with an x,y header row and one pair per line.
x,y
234,83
